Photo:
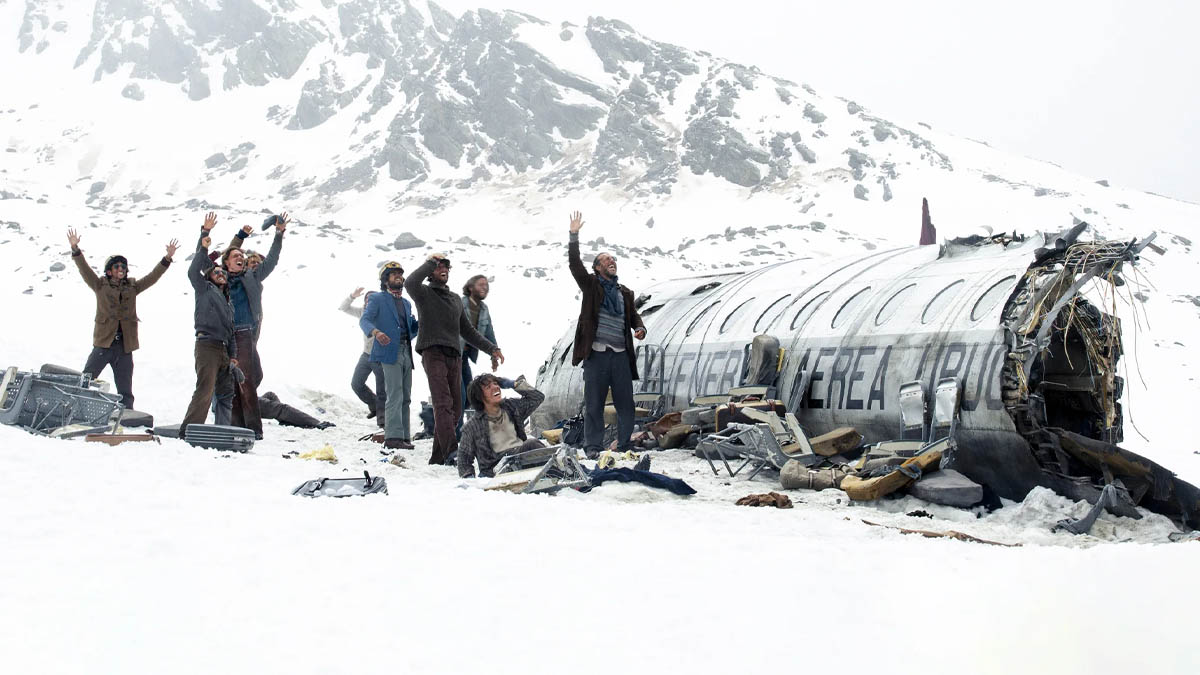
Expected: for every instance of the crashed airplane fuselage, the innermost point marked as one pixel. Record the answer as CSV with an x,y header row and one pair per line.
x,y
1035,360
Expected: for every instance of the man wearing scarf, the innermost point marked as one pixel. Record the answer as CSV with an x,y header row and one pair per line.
x,y
444,327
604,343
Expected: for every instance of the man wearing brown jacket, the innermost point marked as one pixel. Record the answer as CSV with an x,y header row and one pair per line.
x,y
604,343
115,336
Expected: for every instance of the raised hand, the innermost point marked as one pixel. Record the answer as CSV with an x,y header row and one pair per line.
x,y
171,248
73,238
248,230
435,256
210,221
205,242
576,222
357,292
282,221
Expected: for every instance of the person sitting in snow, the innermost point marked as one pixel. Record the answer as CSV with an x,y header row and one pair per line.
x,y
115,335
216,351
497,427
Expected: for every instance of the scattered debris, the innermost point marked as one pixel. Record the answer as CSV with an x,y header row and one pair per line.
x,y
324,454
948,534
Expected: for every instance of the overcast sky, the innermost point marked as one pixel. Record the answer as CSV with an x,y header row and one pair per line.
x,y
1103,88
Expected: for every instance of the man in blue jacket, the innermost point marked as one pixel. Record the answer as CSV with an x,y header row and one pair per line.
x,y
388,318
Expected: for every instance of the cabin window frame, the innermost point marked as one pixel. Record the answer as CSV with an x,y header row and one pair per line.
x,y
863,294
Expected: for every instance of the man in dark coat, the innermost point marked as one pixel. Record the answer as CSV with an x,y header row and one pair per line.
x,y
216,351
443,324
497,427
604,343
115,336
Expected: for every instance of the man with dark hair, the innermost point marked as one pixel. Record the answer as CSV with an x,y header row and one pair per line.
x,y
115,335
443,325
474,292
497,427
604,336
375,400
216,350
245,292
388,319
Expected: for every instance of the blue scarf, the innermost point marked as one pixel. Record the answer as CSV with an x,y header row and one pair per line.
x,y
613,302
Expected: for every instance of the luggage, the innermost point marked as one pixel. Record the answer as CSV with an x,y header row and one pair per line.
x,y
219,437
135,418
342,487
731,412
836,442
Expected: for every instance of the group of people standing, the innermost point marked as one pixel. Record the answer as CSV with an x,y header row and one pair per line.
x,y
448,331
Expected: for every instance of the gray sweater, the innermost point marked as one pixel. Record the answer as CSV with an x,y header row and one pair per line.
x,y
440,312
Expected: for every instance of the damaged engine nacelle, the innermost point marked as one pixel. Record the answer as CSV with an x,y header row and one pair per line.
x,y
1004,316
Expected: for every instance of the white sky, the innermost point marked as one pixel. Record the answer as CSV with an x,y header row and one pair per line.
x,y
1104,88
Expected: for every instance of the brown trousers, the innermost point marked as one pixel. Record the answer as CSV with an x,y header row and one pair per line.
x,y
212,374
443,369
245,395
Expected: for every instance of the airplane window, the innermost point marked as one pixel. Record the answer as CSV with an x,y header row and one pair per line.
x,y
893,304
940,301
806,311
641,300
692,326
736,311
650,310
850,307
770,314
991,297
706,287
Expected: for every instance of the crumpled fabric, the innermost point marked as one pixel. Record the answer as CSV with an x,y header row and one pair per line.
x,y
779,501
324,454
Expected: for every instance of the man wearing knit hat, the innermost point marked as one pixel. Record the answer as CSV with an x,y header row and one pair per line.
x,y
604,336
115,335
443,324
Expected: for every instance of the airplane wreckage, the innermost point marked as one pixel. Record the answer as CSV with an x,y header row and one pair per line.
x,y
1033,362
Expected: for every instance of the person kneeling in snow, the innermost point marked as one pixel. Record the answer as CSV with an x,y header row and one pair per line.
x,y
497,427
